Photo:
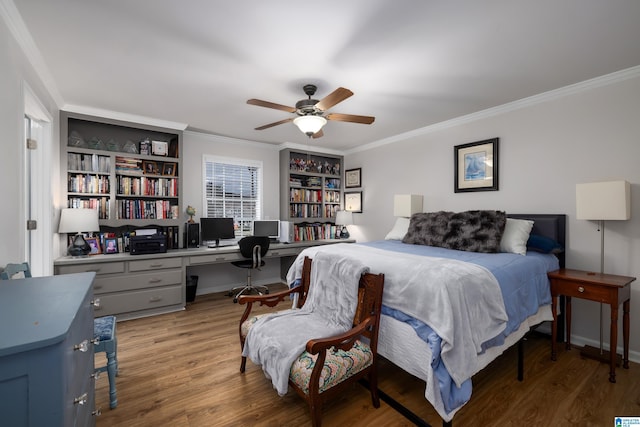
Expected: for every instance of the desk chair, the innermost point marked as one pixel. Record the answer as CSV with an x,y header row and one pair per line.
x,y
253,248
104,334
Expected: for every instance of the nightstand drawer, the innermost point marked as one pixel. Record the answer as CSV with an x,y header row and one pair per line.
x,y
585,291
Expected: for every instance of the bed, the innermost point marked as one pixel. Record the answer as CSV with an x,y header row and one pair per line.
x,y
458,329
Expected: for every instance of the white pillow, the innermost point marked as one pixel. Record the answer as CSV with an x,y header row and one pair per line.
x,y
399,229
515,236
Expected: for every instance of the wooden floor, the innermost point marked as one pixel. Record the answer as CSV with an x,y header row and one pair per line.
x,y
181,369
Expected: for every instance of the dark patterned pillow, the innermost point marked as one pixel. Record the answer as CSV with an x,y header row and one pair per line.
x,y
473,231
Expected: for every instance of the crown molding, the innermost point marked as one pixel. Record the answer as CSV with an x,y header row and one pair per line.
x,y
234,141
18,29
551,95
306,147
125,117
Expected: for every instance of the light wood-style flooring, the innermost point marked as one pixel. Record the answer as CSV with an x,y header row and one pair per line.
x,y
182,369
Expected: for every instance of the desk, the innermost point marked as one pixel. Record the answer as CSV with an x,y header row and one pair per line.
x,y
132,286
605,288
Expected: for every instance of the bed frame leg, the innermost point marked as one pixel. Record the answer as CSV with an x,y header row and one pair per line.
x,y
447,423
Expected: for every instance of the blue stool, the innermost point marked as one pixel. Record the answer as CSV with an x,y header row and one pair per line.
x,y
104,330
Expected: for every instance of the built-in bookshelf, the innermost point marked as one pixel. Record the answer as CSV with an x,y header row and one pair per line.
x,y
311,192
129,172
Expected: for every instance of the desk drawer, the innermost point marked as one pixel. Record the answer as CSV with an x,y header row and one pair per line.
x,y
103,285
585,291
215,258
139,300
99,268
283,252
155,264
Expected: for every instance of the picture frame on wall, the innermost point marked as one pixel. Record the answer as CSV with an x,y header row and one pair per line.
x,y
353,201
476,166
353,178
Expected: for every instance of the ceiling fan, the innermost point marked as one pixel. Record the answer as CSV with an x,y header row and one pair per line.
x,y
311,114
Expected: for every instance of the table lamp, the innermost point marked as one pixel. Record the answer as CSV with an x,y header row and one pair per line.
x,y
78,221
405,205
602,201
344,218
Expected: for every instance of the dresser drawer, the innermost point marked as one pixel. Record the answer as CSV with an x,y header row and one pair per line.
x,y
155,264
98,268
139,300
585,291
127,282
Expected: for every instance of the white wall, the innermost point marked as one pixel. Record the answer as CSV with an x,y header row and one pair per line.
x,y
546,148
217,278
15,71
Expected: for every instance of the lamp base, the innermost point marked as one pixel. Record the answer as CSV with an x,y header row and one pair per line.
x,y
79,248
344,233
590,352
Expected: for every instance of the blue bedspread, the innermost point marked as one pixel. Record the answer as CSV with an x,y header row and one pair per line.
x,y
524,285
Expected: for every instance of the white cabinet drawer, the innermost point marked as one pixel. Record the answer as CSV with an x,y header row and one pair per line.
x,y
139,300
98,267
155,264
126,282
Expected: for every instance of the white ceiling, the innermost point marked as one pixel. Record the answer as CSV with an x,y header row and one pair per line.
x,y
410,63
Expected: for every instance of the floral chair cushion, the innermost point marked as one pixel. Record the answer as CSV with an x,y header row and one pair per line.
x,y
338,366
247,324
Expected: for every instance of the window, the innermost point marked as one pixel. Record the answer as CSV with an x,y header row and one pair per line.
x,y
233,189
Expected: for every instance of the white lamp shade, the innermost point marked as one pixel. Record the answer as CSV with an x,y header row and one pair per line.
x,y
309,124
603,200
344,218
405,205
78,221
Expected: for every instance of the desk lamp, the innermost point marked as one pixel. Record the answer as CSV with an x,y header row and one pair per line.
x,y
78,221
602,201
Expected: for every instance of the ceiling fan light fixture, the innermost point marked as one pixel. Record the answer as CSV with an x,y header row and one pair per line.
x,y
309,124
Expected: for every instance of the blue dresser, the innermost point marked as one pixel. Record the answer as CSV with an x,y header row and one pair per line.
x,y
46,351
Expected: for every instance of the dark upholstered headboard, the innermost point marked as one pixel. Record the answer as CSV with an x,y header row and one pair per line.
x,y
548,225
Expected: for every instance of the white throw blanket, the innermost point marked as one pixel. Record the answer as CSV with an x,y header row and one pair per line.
x,y
276,340
460,301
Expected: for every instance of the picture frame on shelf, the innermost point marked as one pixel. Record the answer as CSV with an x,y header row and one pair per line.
x,y
476,166
110,245
159,148
94,244
150,167
169,169
353,201
353,178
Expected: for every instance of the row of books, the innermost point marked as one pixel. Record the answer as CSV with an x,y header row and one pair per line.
x,y
85,183
88,162
143,186
146,209
128,164
301,195
314,231
101,204
301,210
330,211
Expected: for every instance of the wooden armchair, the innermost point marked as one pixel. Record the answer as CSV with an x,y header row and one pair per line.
x,y
328,365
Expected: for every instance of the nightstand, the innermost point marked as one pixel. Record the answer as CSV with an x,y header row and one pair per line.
x,y
604,288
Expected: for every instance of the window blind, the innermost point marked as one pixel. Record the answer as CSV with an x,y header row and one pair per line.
x,y
233,189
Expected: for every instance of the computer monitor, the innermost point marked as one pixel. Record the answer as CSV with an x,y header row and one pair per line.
x,y
214,229
267,227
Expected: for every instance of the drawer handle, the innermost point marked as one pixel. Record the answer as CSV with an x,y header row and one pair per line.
x,y
220,258
155,299
80,400
93,270
155,280
96,302
580,289
83,346
96,287
156,265
275,253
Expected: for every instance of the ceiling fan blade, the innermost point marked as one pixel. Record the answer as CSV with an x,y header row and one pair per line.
x,y
365,120
268,104
274,124
318,134
333,98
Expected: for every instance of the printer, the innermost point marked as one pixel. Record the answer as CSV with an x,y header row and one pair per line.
x,y
149,244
